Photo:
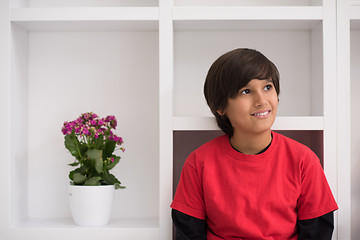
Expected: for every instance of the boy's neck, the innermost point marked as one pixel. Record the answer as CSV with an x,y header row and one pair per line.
x,y
251,144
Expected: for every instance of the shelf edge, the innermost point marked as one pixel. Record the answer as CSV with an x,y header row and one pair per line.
x,y
117,224
248,13
281,123
83,14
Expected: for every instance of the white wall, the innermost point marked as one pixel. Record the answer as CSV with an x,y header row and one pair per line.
x,y
195,51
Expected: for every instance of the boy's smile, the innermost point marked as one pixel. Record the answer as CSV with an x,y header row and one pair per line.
x,y
261,113
253,110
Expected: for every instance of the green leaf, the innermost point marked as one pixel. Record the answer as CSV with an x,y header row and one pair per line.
x,y
74,164
72,144
95,156
108,149
109,178
113,164
78,178
117,186
82,170
94,181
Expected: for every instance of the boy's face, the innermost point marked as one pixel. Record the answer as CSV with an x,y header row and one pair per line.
x,y
253,110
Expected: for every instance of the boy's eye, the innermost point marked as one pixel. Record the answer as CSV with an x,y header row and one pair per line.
x,y
268,87
246,91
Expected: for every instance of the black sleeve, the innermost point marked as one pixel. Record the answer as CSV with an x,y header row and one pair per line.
x,y
188,227
320,228
191,228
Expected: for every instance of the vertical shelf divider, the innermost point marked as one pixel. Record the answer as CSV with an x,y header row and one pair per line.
x,y
330,97
165,116
5,119
344,121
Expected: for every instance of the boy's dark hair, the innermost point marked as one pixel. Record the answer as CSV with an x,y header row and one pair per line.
x,y
231,72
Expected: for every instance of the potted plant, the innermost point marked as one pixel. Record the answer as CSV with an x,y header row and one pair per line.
x,y
91,140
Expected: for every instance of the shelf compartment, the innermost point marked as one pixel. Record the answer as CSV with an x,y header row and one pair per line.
x,y
297,52
56,19
55,76
247,13
281,123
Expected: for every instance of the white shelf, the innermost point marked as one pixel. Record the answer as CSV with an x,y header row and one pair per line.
x,y
194,124
67,223
83,3
92,18
247,18
64,228
299,123
248,2
248,13
281,123
84,14
246,24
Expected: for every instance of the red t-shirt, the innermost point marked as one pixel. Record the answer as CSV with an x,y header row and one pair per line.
x,y
253,196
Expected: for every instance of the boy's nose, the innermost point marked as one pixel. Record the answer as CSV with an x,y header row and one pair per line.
x,y
260,99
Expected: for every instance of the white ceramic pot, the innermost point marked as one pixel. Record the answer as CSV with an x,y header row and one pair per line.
x,y
91,205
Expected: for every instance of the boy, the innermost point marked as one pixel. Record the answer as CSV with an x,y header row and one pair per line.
x,y
250,183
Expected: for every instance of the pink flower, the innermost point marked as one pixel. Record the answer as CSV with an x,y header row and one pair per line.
x,y
78,129
85,131
111,137
64,130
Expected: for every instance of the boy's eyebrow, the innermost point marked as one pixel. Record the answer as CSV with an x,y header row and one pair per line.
x,y
268,80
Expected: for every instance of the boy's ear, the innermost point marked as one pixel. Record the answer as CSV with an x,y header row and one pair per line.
x,y
221,112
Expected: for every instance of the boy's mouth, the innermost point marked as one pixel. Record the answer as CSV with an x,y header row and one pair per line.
x,y
261,113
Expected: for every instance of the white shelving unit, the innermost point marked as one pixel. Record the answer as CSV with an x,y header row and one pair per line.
x,y
145,62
